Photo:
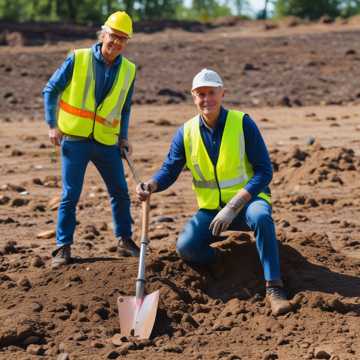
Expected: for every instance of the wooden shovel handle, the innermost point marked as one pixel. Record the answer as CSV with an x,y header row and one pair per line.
x,y
145,218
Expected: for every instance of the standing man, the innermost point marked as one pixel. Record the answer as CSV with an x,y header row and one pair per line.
x,y
231,170
95,86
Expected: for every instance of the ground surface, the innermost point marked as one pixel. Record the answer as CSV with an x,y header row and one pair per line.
x,y
316,191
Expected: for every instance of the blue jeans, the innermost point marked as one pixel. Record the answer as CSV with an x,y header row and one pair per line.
x,y
194,241
75,156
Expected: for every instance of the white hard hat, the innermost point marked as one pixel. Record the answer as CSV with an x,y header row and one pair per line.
x,y
207,77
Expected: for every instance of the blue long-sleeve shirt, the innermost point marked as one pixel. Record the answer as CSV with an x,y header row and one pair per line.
x,y
255,148
104,79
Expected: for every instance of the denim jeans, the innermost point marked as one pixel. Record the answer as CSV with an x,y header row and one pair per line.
x,y
75,156
194,241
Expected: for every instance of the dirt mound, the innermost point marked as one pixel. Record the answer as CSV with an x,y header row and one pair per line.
x,y
75,309
315,165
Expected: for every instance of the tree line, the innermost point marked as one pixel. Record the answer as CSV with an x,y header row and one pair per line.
x,y
96,11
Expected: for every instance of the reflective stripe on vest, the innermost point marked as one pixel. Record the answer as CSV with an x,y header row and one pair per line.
x,y
217,185
78,113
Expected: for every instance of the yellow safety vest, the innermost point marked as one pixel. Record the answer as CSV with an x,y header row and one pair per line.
x,y
215,186
78,114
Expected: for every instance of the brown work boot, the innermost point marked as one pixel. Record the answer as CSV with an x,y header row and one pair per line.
x,y
61,256
279,303
127,247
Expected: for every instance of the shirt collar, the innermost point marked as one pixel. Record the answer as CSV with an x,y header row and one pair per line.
x,y
220,123
96,49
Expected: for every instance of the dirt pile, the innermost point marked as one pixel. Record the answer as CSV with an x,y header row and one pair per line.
x,y
75,309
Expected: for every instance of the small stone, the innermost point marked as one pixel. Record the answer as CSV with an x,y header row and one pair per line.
x,y
24,283
310,140
19,202
321,354
63,356
48,234
163,219
96,345
34,349
4,200
36,340
112,355
270,356
172,348
38,262
117,340
36,307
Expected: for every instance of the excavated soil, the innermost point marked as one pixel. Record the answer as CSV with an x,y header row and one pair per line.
x,y
217,313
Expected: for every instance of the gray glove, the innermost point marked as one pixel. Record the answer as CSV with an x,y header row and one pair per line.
x,y
225,216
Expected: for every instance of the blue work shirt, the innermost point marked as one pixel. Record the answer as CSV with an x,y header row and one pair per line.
x,y
104,79
255,148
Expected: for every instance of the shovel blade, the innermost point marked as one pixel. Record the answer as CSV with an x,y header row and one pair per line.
x,y
138,318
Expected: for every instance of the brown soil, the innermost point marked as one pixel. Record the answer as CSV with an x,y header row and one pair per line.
x,y
315,150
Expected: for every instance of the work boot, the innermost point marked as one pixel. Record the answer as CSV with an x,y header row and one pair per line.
x,y
127,247
279,303
61,256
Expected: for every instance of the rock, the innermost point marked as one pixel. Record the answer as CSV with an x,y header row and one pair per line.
x,y
17,152
310,140
97,344
38,262
17,202
112,355
321,354
48,234
36,307
24,283
270,356
63,356
39,208
117,340
162,219
37,181
10,248
13,187
34,349
4,199
172,348
36,340
91,229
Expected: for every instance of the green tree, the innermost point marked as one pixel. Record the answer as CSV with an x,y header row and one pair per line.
x,y
308,9
209,9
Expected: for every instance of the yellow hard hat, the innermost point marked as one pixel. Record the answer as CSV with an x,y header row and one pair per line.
x,y
120,21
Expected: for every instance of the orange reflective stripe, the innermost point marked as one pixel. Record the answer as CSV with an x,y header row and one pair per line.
x,y
86,114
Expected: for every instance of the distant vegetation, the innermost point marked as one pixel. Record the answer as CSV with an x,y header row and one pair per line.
x,y
95,11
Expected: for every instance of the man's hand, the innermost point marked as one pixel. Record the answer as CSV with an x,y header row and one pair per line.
x,y
125,146
55,136
144,190
226,216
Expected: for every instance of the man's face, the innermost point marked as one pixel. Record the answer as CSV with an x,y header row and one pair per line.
x,y
114,42
208,99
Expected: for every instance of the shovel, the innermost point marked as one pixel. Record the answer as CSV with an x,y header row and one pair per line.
x,y
137,313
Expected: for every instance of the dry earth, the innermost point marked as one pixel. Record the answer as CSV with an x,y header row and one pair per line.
x,y
315,151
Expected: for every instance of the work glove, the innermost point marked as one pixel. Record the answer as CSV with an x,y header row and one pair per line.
x,y
225,216
144,189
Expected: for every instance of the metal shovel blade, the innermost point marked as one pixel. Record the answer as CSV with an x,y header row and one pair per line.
x,y
137,318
